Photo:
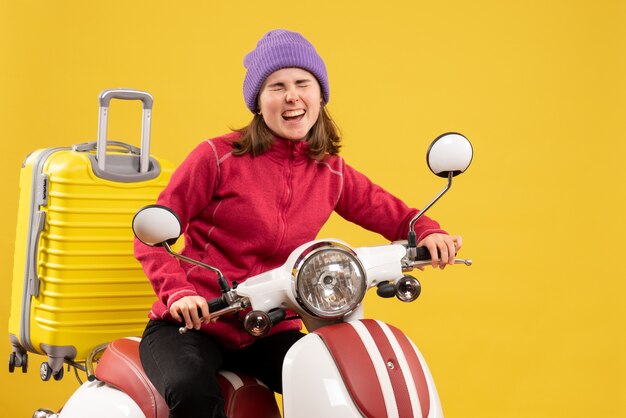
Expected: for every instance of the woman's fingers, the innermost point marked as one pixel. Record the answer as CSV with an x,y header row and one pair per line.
x,y
206,314
186,310
442,248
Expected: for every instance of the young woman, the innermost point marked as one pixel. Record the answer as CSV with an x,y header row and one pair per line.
x,y
245,201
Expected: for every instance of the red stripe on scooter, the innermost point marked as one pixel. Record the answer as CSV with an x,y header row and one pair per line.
x,y
416,369
396,375
355,367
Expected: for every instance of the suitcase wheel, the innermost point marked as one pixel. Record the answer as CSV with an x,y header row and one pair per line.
x,y
24,362
58,375
18,360
12,358
45,372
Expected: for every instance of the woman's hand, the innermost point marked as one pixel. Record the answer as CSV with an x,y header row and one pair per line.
x,y
186,310
442,248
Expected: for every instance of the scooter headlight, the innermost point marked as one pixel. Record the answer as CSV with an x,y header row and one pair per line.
x,y
329,280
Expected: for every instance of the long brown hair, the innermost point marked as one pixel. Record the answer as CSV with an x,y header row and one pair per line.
x,y
323,138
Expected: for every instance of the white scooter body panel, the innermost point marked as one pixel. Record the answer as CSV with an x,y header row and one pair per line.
x,y
274,288
99,400
312,385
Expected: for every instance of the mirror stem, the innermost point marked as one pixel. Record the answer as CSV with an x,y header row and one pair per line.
x,y
220,277
412,238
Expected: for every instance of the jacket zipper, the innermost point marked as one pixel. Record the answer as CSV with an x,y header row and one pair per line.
x,y
285,204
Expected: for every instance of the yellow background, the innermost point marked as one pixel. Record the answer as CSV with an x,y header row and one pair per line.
x,y
536,327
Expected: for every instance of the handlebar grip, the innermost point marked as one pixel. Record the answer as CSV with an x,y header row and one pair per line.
x,y
215,305
422,254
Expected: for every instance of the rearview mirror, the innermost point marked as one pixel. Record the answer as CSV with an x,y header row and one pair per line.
x,y
155,224
449,153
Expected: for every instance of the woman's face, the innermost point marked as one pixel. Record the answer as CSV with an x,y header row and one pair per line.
x,y
290,102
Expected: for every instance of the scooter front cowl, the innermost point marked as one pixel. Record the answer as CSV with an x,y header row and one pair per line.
x,y
363,368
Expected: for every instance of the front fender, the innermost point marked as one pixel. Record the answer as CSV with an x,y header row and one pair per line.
x,y
379,368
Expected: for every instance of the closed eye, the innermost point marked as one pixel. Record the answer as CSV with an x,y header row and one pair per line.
x,y
279,86
276,87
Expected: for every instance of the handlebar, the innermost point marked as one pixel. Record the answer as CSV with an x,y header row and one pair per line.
x,y
423,258
218,307
216,304
230,302
422,254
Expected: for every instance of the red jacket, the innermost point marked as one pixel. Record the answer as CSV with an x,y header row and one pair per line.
x,y
244,215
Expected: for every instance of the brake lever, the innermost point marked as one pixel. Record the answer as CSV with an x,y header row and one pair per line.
x,y
464,261
239,306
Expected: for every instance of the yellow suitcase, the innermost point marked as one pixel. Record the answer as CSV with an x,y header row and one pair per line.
x,y
76,284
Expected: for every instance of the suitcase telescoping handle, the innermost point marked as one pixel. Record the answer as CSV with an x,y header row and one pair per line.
x,y
103,122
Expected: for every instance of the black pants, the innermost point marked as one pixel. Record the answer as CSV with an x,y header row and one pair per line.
x,y
183,368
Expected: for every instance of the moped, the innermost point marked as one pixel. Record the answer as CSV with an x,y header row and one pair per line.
x,y
346,366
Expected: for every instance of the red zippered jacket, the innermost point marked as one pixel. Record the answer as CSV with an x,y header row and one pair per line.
x,y
244,215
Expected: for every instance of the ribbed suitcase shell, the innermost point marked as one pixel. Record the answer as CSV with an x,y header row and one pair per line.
x,y
91,289
88,288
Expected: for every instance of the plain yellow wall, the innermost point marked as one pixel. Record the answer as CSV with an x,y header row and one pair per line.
x,y
536,327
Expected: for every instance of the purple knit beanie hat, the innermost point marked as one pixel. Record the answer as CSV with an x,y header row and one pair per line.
x,y
279,49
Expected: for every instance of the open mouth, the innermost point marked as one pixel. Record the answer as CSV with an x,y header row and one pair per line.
x,y
293,115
